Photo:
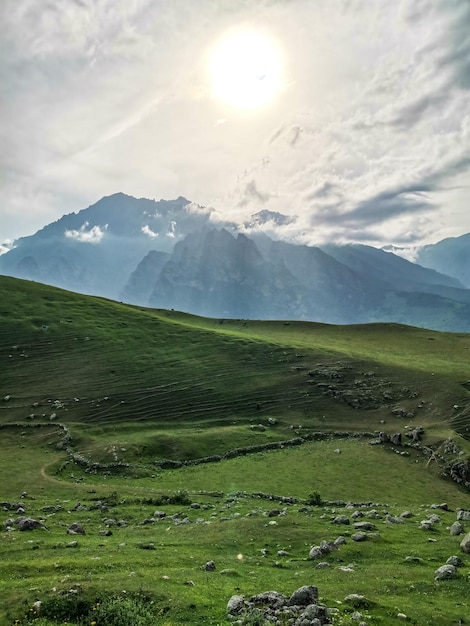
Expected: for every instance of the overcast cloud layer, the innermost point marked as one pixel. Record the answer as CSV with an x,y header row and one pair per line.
x,y
369,140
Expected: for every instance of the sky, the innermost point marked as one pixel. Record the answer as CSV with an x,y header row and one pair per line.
x,y
364,137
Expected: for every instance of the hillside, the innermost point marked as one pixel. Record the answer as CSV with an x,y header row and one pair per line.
x,y
112,413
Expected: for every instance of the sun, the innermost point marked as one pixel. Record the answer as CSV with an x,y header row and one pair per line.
x,y
246,70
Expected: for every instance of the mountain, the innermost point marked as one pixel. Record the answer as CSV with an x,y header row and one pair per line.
x,y
174,255
95,250
450,256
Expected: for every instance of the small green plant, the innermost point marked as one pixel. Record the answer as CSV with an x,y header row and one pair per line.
x,y
314,499
119,611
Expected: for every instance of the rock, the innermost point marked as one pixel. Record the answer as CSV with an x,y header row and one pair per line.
x,y
322,565
465,544
364,526
272,598
413,559
456,561
426,524
406,514
443,507
396,439
356,600
341,519
209,566
390,519
444,572
456,529
359,536
76,529
236,605
304,596
28,523
463,515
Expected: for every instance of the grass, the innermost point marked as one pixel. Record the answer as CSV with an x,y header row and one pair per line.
x,y
134,386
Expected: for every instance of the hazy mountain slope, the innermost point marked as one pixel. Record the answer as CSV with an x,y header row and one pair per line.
x,y
214,273
450,256
388,268
95,250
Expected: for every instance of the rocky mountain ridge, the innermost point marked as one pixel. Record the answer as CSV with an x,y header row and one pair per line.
x,y
176,254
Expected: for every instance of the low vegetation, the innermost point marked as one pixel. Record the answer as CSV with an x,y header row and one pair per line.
x,y
173,441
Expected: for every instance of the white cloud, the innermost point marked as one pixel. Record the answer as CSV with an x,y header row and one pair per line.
x,y
93,235
146,230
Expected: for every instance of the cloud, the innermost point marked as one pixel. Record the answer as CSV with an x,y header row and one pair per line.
x,y
146,230
94,235
115,96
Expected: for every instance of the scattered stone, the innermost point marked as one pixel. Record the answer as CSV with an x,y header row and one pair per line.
x,y
443,507
413,559
236,605
406,514
76,529
209,566
456,561
322,565
271,598
356,600
304,596
341,519
364,526
445,572
402,616
28,523
463,515
456,529
465,544
359,536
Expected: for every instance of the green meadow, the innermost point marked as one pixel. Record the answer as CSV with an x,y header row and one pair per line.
x,y
107,412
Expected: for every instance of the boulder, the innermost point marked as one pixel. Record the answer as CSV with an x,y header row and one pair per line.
x,y
364,526
356,600
236,605
76,529
359,536
456,561
28,523
304,596
274,599
444,572
456,529
463,515
341,519
209,566
465,544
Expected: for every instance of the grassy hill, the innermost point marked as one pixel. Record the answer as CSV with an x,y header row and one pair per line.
x,y
107,410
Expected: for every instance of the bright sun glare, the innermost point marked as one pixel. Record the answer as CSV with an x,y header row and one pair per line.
x,y
246,70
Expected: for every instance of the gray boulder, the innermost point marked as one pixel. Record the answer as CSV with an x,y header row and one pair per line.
x,y
76,529
304,596
456,561
236,605
359,536
273,599
456,529
209,566
463,515
465,544
445,572
364,526
357,600
341,519
28,523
